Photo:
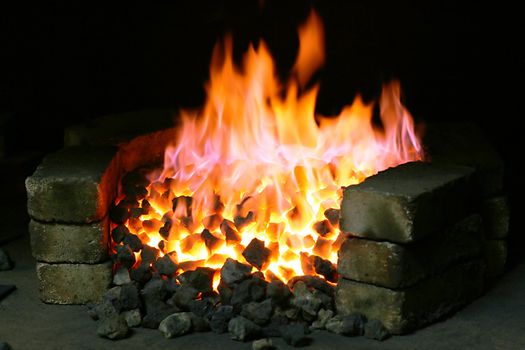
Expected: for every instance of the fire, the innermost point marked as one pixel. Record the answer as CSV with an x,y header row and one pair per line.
x,y
256,162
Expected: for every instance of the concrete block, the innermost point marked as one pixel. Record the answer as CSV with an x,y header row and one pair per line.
x,y
464,143
69,243
73,283
405,310
74,185
395,265
408,202
496,217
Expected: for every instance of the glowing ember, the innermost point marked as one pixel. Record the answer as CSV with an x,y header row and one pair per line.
x,y
254,164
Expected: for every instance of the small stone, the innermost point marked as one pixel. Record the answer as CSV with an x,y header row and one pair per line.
x,y
113,328
119,232
104,309
184,296
149,254
333,216
156,312
121,276
225,293
201,279
141,274
257,254
125,256
322,318
278,291
374,329
5,261
221,317
133,317
294,334
306,301
248,290
263,344
176,325
129,297
199,324
166,265
200,307
349,325
233,271
133,241
259,313
242,329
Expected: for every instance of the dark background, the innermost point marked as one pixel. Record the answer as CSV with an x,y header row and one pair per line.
x,y
66,63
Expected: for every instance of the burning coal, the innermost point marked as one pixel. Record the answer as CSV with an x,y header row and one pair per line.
x,y
255,175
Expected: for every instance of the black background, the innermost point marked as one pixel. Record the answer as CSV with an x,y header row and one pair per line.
x,y
63,63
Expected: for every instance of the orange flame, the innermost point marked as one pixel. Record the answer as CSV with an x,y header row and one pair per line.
x,y
264,157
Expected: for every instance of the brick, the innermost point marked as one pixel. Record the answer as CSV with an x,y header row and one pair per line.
x,y
73,283
74,185
395,265
495,254
69,243
405,310
467,145
496,217
408,202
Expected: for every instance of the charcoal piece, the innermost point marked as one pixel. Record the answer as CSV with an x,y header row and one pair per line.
x,y
374,329
133,241
201,279
166,265
183,296
263,344
229,231
333,216
295,334
164,231
119,213
278,292
155,289
322,318
350,325
176,325
133,317
240,328
118,233
325,268
212,297
242,221
142,273
135,213
210,240
292,313
198,323
313,282
5,346
129,298
306,301
158,313
273,328
327,302
146,207
149,254
135,192
233,271
125,256
134,179
162,245
212,222
307,263
220,318
200,307
256,254
106,308
258,274
323,227
113,328
183,200
225,293
260,313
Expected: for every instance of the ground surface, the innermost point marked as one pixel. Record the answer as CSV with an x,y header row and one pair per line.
x,y
495,321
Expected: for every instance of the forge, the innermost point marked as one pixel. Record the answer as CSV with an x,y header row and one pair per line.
x,y
256,216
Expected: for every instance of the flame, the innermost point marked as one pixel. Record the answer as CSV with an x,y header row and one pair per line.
x,y
258,163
